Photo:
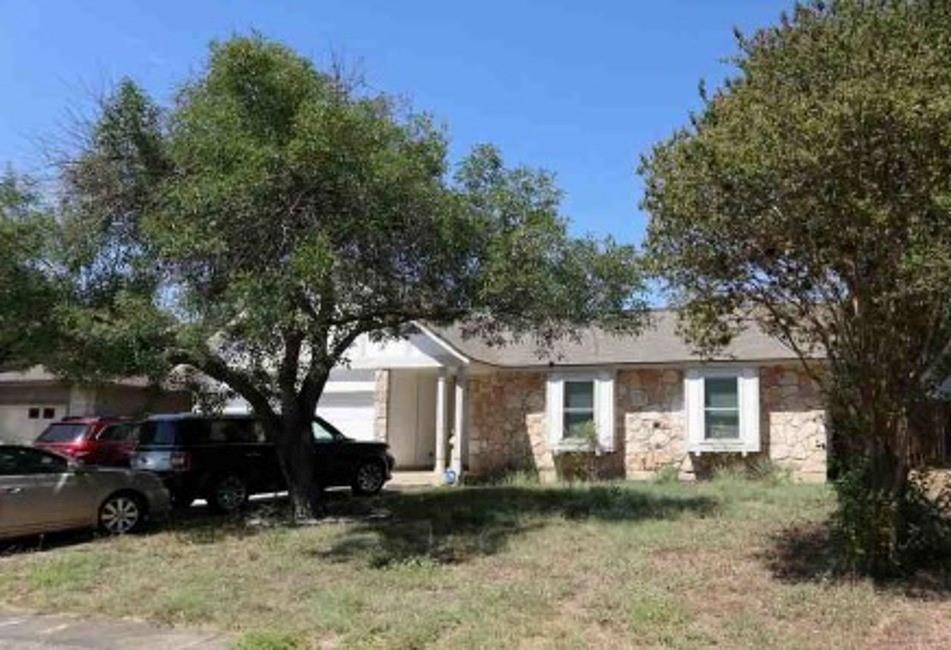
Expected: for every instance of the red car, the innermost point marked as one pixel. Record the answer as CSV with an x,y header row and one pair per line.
x,y
91,440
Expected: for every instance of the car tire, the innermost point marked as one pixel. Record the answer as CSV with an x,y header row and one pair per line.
x,y
369,478
122,513
229,494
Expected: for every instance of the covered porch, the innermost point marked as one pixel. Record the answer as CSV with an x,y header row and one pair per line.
x,y
425,421
420,403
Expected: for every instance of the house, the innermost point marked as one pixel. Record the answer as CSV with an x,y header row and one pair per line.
x,y
31,399
443,401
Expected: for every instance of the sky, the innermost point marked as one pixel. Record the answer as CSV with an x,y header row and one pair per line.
x,y
582,89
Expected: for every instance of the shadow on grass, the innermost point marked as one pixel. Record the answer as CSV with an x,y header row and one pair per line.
x,y
454,525
809,553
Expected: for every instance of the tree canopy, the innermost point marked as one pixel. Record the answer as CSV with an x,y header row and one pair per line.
x,y
253,229
29,290
812,192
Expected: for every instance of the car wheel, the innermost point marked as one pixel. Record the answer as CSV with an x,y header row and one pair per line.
x,y
121,513
369,478
229,494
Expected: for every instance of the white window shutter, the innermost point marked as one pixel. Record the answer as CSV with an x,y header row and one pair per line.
x,y
749,408
554,403
604,410
693,408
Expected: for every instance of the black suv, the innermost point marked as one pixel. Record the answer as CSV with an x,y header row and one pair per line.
x,y
225,459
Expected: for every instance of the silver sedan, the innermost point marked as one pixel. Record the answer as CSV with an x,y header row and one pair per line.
x,y
42,492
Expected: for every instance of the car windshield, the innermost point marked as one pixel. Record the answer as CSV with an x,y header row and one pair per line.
x,y
63,432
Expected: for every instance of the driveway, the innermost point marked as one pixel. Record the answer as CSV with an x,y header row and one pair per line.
x,y
25,631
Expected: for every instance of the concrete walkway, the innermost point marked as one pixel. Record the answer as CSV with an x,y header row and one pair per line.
x,y
25,631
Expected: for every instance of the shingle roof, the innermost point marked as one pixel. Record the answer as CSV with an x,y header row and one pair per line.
x,y
659,343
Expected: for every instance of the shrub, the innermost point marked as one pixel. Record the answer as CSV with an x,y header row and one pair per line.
x,y
887,534
667,474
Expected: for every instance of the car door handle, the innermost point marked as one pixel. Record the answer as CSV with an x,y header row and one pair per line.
x,y
12,490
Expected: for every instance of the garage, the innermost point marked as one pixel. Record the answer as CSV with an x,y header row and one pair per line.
x,y
350,410
22,423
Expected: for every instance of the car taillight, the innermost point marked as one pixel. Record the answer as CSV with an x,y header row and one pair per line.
x,y
78,449
179,461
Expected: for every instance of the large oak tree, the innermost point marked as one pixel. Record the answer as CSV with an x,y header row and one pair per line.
x,y
812,193
273,213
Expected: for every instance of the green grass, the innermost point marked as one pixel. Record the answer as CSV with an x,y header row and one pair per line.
x,y
733,562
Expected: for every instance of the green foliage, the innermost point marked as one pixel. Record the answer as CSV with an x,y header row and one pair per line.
x,y
267,640
29,288
667,474
812,194
865,528
274,212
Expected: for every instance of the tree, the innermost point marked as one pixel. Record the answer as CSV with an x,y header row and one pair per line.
x,y
27,284
812,193
274,213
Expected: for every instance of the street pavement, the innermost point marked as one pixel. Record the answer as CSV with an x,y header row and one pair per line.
x,y
26,631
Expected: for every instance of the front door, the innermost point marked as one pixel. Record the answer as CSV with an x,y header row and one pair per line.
x,y
411,420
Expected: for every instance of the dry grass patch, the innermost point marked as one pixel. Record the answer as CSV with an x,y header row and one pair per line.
x,y
614,565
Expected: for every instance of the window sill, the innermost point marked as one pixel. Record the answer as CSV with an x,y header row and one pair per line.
x,y
570,446
722,447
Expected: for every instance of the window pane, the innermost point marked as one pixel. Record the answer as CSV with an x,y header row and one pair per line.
x,y
117,433
63,433
158,433
579,394
721,392
578,423
722,424
14,461
321,433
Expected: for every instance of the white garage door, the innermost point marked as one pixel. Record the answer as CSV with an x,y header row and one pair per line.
x,y
352,412
347,403
22,423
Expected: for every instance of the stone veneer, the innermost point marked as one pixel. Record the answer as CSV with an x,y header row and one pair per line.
x,y
507,428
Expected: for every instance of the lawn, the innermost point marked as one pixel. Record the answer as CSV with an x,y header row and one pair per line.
x,y
733,563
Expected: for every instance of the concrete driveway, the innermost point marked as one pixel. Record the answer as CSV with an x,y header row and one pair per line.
x,y
26,631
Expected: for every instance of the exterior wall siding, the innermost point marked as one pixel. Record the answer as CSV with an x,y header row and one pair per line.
x,y
381,404
508,431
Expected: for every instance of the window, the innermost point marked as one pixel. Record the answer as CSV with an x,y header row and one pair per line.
x,y
16,461
118,433
33,413
157,432
579,408
49,413
722,409
63,432
323,432
576,402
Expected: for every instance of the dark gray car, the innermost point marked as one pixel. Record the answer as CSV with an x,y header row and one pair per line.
x,y
41,492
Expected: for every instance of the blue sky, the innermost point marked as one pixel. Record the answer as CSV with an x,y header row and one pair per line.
x,y
580,88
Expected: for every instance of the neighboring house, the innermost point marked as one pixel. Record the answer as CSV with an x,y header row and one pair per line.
x,y
442,401
31,399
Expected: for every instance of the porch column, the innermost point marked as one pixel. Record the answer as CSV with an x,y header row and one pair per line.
x,y
459,432
442,403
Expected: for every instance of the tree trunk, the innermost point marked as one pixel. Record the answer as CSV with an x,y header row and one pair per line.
x,y
295,452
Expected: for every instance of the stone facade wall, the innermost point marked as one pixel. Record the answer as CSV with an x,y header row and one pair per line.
x,y
793,422
651,408
507,429
507,426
